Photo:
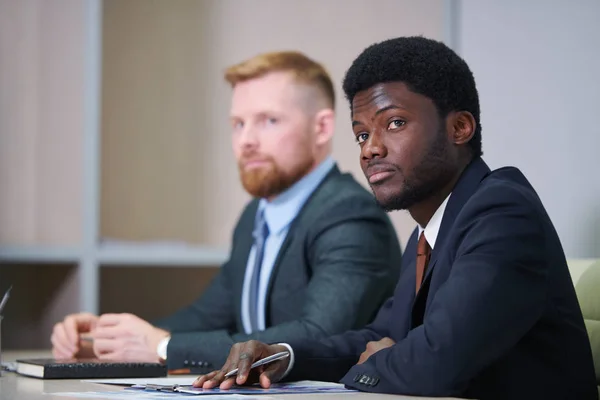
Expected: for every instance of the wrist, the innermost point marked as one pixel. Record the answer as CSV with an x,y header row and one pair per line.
x,y
290,359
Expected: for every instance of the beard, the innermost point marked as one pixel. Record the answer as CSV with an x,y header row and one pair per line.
x,y
270,180
425,179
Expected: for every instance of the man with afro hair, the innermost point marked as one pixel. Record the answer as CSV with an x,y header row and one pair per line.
x,y
484,307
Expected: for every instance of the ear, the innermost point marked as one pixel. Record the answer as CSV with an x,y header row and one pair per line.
x,y
461,127
324,126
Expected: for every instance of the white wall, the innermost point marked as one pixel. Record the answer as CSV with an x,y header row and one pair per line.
x,y
537,66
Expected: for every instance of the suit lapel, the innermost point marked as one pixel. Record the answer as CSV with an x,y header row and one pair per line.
x,y
463,190
319,195
240,258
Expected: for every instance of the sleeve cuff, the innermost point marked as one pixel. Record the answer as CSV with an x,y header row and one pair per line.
x,y
291,364
161,349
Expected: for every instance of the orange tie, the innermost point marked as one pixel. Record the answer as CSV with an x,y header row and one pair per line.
x,y
423,254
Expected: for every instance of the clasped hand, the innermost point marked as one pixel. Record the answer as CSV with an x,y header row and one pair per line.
x,y
123,337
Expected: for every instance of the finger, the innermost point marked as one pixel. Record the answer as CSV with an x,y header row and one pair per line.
x,y
109,320
55,338
217,379
363,357
227,384
55,354
108,350
59,354
71,330
264,381
271,374
244,364
91,322
59,351
115,355
203,378
62,340
104,346
85,321
108,332
219,375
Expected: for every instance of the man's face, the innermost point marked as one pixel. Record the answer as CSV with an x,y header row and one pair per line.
x,y
273,133
404,146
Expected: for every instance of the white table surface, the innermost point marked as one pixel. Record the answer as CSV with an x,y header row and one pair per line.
x,y
17,387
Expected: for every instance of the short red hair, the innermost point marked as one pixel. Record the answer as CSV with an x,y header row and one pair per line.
x,y
303,69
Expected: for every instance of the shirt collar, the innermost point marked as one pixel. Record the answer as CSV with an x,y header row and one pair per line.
x,y
282,210
433,227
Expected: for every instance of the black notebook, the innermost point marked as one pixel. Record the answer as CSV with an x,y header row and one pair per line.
x,y
49,368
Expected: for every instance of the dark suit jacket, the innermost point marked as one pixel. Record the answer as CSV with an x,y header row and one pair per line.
x,y
496,318
337,265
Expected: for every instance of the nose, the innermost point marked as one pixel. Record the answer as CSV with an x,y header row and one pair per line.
x,y
248,137
373,147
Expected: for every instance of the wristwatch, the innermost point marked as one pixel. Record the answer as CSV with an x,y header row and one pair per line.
x,y
161,349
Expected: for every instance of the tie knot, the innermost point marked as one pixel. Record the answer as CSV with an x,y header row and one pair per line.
x,y
423,247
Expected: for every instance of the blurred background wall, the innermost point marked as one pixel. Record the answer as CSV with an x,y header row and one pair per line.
x,y
118,187
165,137
536,65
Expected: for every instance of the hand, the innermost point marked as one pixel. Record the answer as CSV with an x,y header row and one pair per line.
x,y
374,347
126,337
241,356
66,340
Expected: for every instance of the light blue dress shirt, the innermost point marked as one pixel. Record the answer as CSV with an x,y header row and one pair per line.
x,y
279,213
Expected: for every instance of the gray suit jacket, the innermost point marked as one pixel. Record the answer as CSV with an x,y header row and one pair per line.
x,y
339,262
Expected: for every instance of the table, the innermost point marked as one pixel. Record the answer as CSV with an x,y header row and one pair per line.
x,y
17,387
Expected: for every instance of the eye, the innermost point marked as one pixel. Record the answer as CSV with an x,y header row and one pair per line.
x,y
237,125
361,137
395,124
271,121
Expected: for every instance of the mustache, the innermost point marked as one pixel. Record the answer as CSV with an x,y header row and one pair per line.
x,y
249,157
378,165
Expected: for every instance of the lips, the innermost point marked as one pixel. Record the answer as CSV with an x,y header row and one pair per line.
x,y
254,163
379,173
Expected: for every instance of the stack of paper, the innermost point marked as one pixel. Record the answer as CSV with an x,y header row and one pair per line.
x,y
184,385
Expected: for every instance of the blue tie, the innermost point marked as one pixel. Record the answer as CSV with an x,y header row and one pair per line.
x,y
260,233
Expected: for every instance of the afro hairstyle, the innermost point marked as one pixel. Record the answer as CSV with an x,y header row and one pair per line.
x,y
427,67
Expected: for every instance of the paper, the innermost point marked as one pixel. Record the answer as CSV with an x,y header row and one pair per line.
x,y
303,387
143,395
184,385
179,380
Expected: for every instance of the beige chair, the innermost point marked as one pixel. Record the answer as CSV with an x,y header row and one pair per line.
x,y
586,276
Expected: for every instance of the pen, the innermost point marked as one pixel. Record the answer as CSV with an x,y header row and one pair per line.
x,y
266,360
5,299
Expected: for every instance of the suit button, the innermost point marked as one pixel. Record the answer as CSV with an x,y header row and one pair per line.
x,y
193,363
364,379
186,362
357,377
375,381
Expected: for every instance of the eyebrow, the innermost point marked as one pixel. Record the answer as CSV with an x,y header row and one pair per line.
x,y
381,110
